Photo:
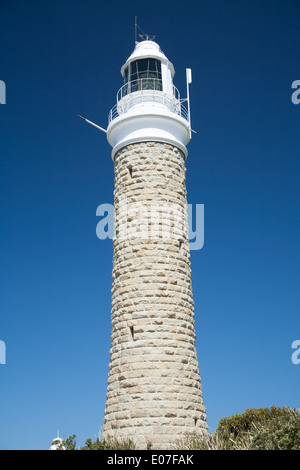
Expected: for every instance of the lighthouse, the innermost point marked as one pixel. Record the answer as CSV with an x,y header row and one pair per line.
x,y
154,388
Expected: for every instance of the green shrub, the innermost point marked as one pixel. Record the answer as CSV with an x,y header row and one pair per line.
x,y
256,429
245,422
109,444
100,444
281,433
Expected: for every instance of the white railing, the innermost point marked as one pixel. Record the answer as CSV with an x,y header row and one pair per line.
x,y
144,84
113,114
145,90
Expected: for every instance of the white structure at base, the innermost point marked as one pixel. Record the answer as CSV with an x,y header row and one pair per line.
x,y
57,443
148,104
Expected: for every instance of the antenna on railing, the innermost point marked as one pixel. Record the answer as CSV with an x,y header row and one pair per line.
x,y
188,82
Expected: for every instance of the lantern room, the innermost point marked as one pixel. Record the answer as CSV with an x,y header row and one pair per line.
x,y
148,105
147,69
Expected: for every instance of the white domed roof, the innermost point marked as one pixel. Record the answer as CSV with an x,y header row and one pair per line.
x,y
150,49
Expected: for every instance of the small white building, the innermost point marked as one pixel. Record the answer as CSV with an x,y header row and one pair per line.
x,y
57,443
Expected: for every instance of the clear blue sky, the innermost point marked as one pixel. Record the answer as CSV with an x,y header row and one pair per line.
x,y
63,58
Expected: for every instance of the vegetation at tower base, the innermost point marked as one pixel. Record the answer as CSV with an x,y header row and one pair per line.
x,y
99,444
241,423
271,428
256,429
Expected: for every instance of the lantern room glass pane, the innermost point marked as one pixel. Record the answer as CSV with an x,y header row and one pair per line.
x,y
133,67
153,65
126,75
143,74
142,65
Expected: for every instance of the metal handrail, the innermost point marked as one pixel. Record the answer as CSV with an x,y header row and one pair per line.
x,y
113,113
147,87
116,112
144,84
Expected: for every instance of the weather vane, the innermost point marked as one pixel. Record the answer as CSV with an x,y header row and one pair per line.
x,y
143,36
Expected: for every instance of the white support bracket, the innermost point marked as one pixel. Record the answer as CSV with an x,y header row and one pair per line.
x,y
90,122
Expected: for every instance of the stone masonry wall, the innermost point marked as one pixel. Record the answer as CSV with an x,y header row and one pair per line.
x,y
154,387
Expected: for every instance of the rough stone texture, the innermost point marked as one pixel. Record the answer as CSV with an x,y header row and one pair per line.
x,y
154,387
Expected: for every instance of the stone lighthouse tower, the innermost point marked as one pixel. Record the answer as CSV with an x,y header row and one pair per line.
x,y
154,387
